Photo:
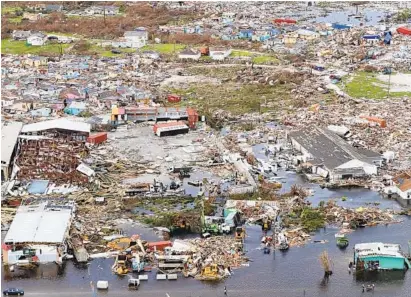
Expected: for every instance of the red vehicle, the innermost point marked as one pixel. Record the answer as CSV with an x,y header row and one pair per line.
x,y
285,21
173,98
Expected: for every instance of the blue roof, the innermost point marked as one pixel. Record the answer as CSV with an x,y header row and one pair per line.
x,y
38,186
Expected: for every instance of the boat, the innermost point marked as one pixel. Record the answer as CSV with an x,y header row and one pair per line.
x,y
379,256
404,30
195,183
282,239
342,242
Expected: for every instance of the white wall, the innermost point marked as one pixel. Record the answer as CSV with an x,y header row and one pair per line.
x,y
301,149
48,254
192,57
404,195
35,41
369,169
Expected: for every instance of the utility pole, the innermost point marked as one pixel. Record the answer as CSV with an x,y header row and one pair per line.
x,y
104,13
389,80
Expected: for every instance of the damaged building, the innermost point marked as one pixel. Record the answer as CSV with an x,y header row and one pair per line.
x,y
331,157
9,135
52,150
38,233
401,189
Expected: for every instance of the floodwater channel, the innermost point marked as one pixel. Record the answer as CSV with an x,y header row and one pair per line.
x,y
296,272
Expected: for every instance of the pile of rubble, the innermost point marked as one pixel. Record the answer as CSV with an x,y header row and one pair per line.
x,y
223,251
368,135
337,215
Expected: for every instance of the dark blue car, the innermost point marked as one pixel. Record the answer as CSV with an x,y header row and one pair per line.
x,y
13,291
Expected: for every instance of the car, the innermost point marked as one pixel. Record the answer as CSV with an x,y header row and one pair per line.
x,y
13,291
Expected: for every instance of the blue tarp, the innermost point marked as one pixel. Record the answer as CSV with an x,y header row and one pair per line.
x,y
387,37
371,37
38,186
340,26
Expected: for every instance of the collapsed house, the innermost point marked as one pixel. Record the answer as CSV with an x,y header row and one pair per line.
x,y
401,190
53,150
38,233
331,157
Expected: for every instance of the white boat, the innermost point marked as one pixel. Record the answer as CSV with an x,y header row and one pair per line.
x,y
339,235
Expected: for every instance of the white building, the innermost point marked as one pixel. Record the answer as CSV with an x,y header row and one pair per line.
x,y
38,233
38,39
331,157
101,10
189,54
136,38
401,190
219,54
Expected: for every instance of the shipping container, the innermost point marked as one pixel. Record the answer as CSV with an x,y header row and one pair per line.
x,y
205,51
173,98
97,138
170,128
159,245
285,21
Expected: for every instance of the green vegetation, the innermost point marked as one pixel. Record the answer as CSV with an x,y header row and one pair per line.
x,y
312,219
9,9
206,58
9,46
265,60
238,53
106,51
239,99
216,72
15,20
367,85
163,48
404,15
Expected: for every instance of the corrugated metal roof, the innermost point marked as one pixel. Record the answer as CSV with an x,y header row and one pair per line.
x,y
63,124
39,224
9,133
378,248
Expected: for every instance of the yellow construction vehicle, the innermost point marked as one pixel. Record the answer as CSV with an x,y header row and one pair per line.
x,y
239,233
266,224
209,273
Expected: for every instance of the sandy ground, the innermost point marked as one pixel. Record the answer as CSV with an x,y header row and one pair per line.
x,y
160,153
177,79
399,82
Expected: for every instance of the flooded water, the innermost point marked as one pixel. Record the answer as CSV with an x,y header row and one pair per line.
x,y
296,272
283,274
371,17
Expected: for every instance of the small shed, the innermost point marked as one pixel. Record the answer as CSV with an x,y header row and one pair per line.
x,y
75,108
